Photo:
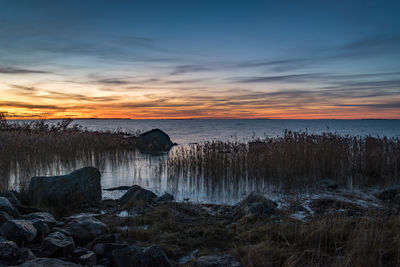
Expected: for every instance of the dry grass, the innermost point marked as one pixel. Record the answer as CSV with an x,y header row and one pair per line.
x,y
294,161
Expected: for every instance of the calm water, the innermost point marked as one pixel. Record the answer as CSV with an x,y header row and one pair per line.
x,y
144,170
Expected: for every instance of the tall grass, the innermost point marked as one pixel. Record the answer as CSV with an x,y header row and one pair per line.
x,y
295,160
29,148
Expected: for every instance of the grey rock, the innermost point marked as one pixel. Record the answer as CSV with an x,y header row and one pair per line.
x,y
58,229
136,195
6,206
78,187
42,229
154,142
5,217
19,231
109,238
88,259
104,250
217,261
327,184
388,193
79,251
8,251
48,262
255,206
85,229
135,256
165,198
45,216
25,254
11,197
57,244
24,209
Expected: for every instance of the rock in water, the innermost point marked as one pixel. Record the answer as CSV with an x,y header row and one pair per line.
x,y
19,231
136,195
78,187
154,141
217,261
135,256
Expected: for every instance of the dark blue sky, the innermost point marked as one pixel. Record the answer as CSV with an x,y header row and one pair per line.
x,y
297,59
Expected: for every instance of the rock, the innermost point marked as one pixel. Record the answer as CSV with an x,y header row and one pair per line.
x,y
154,142
8,251
25,254
58,229
387,194
7,207
327,184
88,259
79,251
42,229
85,229
4,217
104,250
78,187
23,209
217,261
19,231
135,256
165,198
136,195
119,188
44,216
11,197
48,262
110,238
57,244
255,206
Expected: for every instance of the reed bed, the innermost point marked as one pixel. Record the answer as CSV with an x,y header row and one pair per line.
x,y
296,160
30,148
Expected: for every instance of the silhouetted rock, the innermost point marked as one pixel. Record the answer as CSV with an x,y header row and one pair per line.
x,y
136,195
135,256
217,261
48,262
19,231
327,184
154,141
80,186
85,229
6,206
57,244
164,198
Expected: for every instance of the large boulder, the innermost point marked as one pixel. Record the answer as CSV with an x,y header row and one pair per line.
x,y
255,206
19,231
154,142
85,229
57,245
136,195
6,206
135,256
78,187
48,262
217,261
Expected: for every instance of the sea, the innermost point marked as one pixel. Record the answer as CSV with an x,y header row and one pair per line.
x,y
145,170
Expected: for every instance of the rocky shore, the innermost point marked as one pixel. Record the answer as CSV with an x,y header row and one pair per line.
x,y
63,221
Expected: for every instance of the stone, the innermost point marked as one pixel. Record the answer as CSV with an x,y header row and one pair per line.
x,y
44,216
25,254
327,184
11,197
8,251
57,244
19,231
5,217
48,262
42,229
154,142
104,250
24,209
88,259
135,256
6,206
217,261
255,206
388,193
136,195
164,198
79,187
109,238
85,229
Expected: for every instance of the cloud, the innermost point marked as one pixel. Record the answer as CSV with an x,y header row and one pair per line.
x,y
11,70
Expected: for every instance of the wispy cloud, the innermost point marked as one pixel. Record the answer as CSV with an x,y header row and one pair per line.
x,y
12,70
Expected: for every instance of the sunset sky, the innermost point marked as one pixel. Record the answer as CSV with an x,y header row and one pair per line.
x,y
200,59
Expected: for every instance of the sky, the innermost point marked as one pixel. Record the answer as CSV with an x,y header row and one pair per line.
x,y
200,59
